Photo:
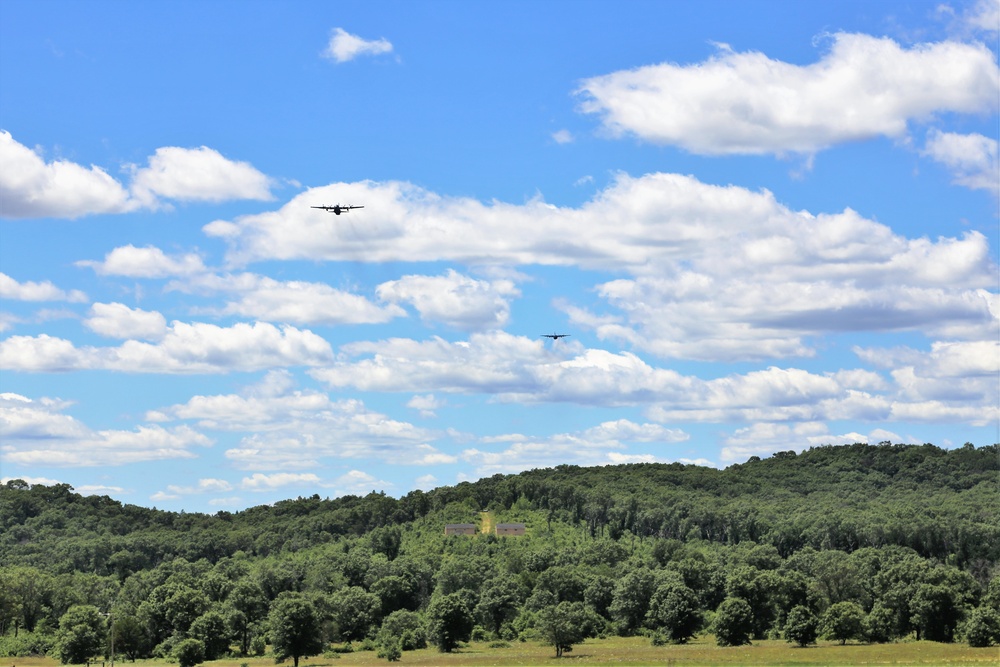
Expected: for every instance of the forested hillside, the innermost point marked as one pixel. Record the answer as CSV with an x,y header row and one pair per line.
x,y
857,542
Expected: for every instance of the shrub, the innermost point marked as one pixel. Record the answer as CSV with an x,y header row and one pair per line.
x,y
26,644
258,645
391,649
982,628
189,652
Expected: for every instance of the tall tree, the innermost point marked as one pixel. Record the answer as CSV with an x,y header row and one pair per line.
x,y
354,611
296,630
733,622
81,634
249,606
449,621
674,609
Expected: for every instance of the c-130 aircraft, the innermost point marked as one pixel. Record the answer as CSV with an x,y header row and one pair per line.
x,y
337,209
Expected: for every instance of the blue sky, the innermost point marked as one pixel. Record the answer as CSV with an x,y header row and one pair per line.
x,y
765,226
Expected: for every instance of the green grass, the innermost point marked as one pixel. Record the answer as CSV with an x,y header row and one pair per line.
x,y
635,651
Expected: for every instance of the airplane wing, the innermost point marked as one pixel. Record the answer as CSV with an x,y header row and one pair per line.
x,y
325,208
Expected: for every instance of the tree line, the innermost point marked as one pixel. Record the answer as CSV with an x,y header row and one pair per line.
x,y
854,543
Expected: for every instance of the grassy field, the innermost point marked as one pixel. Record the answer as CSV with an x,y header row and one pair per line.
x,y
638,651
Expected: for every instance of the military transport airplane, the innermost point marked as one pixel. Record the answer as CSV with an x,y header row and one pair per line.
x,y
555,336
337,208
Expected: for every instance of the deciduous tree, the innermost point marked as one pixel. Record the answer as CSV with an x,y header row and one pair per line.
x,y
295,628
565,624
801,626
733,622
81,634
449,621
843,621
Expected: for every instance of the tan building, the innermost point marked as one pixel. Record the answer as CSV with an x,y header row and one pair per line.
x,y
460,529
510,529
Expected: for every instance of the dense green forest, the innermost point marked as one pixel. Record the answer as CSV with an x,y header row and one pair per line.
x,y
860,542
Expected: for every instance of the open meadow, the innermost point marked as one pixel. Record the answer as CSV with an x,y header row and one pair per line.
x,y
636,651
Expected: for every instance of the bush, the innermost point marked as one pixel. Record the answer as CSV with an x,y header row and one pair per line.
x,y
26,644
189,652
507,632
408,626
345,648
258,646
391,649
982,628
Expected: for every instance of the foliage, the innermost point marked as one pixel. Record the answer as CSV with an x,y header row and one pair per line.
x,y
675,611
81,634
982,628
907,534
630,601
566,624
210,628
189,652
733,622
354,611
449,621
878,625
295,628
801,626
26,644
390,648
408,626
843,621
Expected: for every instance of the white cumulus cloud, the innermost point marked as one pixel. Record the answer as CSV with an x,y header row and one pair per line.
x,y
116,320
295,301
34,291
601,445
262,482
37,432
290,429
454,299
197,174
972,158
30,187
184,348
146,262
748,103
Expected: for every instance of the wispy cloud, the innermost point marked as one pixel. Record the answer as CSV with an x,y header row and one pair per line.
x,y
344,46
